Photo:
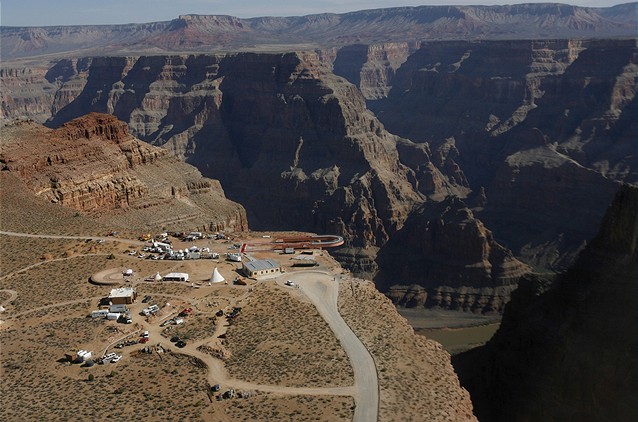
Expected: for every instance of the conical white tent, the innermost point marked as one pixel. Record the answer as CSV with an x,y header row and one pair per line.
x,y
217,277
158,277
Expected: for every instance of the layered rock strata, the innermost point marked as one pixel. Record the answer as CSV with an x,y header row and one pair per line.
x,y
288,139
449,252
400,24
565,349
534,135
95,166
542,127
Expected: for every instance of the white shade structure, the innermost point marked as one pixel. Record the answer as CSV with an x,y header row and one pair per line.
x,y
158,277
216,277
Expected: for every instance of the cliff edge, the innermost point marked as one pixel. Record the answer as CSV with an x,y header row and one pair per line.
x,y
567,350
93,165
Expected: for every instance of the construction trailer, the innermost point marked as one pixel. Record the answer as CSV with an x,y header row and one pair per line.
x,y
175,277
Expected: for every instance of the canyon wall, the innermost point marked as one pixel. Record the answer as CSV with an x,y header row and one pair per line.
x,y
288,139
541,129
93,165
453,259
534,137
565,349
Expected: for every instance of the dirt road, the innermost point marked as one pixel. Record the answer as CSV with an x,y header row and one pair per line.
x,y
55,236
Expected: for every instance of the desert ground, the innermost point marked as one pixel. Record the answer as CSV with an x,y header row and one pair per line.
x,y
48,298
328,348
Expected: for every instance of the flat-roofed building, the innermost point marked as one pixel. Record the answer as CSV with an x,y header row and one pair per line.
x,y
261,267
123,296
176,277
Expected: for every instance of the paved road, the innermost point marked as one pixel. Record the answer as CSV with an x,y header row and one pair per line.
x,y
322,291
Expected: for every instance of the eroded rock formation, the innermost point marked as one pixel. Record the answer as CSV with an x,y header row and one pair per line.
x,y
566,349
543,127
535,136
288,139
95,166
445,249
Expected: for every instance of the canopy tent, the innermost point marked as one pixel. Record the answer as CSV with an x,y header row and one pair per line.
x,y
217,277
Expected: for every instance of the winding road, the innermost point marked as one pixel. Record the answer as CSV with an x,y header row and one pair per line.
x,y
322,290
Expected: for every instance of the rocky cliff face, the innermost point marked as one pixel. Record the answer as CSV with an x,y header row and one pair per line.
x,y
372,67
288,139
565,350
534,136
95,166
446,250
548,118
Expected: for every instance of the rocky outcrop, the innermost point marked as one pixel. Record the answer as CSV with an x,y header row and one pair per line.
x,y
445,249
372,67
401,355
276,129
565,350
93,165
543,127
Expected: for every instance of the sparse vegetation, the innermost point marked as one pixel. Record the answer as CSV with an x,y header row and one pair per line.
x,y
293,408
280,340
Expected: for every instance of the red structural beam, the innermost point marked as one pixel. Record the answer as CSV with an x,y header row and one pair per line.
x,y
296,242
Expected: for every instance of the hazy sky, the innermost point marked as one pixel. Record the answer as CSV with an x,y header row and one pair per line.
x,y
78,12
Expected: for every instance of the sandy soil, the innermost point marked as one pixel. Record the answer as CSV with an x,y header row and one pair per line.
x,y
279,354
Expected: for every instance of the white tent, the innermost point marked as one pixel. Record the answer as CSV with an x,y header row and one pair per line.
x,y
158,277
217,277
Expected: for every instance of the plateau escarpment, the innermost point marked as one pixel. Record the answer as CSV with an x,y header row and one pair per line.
x,y
93,165
400,24
533,136
565,349
288,139
541,128
454,259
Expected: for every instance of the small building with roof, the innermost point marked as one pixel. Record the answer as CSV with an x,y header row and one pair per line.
x,y
123,296
261,267
176,277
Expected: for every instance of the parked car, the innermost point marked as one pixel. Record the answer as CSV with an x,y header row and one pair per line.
x,y
180,344
146,299
289,283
